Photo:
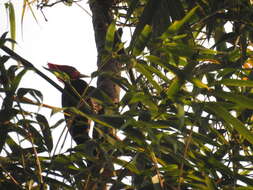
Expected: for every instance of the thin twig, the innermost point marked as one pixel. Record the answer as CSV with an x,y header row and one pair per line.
x,y
188,142
37,161
10,176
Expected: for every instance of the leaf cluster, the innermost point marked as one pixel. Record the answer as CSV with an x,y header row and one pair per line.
x,y
185,116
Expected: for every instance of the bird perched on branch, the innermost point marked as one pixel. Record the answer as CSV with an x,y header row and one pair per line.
x,y
79,90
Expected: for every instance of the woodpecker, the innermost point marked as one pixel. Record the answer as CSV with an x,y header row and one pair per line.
x,y
78,126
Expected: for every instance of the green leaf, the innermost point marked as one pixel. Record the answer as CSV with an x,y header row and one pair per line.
x,y
133,5
33,92
44,126
142,40
141,68
145,99
199,83
29,6
177,25
12,20
145,18
240,100
210,183
15,148
236,82
180,114
164,64
3,38
17,79
158,72
109,39
127,165
180,49
221,112
112,121
135,134
174,88
35,134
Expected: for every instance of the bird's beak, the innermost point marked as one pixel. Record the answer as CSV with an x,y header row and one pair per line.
x,y
83,76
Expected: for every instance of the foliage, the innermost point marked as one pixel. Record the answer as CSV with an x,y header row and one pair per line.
x,y
186,110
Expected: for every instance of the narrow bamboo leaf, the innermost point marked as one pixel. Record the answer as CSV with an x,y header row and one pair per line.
x,y
180,50
19,130
176,9
33,92
100,96
203,50
220,166
178,24
17,79
165,65
15,148
221,112
179,37
56,183
199,83
173,88
145,19
236,82
85,150
133,5
23,14
180,114
3,133
205,139
12,21
127,165
245,179
142,40
112,121
44,126
145,99
157,72
210,183
149,76
109,39
121,81
35,134
241,100
3,38
31,10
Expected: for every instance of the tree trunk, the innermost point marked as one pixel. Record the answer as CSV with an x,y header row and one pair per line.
x,y
102,17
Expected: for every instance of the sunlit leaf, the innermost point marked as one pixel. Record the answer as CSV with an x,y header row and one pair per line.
x,y
178,24
142,40
12,19
109,39
240,100
173,88
224,114
199,83
236,82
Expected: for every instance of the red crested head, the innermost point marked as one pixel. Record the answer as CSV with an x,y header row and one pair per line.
x,y
69,70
